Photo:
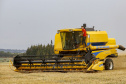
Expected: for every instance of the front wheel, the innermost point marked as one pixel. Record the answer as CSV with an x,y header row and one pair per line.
x,y
109,64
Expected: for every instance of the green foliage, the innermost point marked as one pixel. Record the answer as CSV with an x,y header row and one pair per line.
x,y
8,54
39,50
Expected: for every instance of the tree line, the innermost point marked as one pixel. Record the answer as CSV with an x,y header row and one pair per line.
x,y
40,49
8,54
37,50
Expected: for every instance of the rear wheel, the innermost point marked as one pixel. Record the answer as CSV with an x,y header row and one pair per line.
x,y
109,64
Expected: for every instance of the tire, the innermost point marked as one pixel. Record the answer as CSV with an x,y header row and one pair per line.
x,y
109,64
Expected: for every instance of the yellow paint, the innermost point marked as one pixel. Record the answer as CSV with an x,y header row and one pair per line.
x,y
97,36
98,66
57,44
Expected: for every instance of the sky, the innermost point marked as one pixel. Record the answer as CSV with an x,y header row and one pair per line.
x,y
31,22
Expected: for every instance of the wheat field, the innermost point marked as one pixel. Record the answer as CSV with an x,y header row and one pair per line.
x,y
116,76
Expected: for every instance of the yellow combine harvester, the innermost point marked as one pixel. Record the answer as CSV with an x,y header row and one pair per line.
x,y
71,54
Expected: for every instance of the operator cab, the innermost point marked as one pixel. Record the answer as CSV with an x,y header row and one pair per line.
x,y
72,38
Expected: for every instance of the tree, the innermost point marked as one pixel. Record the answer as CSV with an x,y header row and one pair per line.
x,y
40,50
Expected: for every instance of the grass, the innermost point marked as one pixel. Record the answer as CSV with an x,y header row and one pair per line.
x,y
116,76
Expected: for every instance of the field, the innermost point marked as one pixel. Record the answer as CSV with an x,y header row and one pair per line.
x,y
116,76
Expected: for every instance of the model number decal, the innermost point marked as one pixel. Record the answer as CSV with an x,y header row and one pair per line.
x,y
99,47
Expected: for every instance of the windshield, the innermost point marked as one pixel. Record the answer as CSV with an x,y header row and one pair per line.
x,y
70,40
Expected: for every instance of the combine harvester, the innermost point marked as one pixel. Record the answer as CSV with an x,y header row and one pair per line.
x,y
71,54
